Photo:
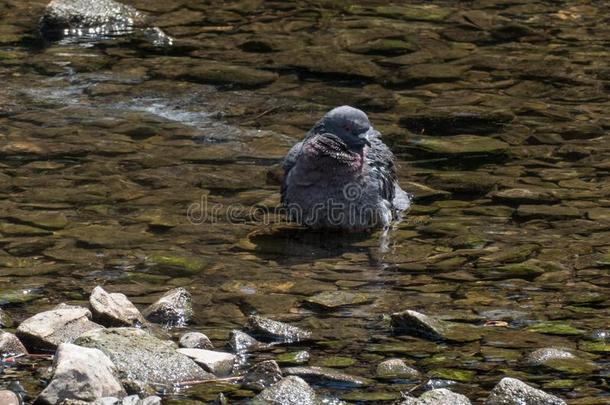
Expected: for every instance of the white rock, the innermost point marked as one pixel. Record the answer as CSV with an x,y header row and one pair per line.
x,y
218,363
81,374
510,391
113,309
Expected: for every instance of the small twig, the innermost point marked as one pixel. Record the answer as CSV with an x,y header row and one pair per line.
x,y
260,115
195,382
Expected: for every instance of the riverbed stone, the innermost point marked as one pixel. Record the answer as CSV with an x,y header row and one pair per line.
x,y
339,298
420,325
262,375
270,330
561,360
442,396
195,340
174,308
8,397
242,342
218,363
316,374
458,145
290,390
10,345
74,14
81,374
5,319
47,330
139,356
511,391
396,369
114,309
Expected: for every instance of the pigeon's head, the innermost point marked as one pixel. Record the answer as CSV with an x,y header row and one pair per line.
x,y
348,123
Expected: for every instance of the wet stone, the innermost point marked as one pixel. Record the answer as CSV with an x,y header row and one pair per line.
x,y
195,340
300,357
10,345
81,374
339,298
5,319
525,195
288,391
440,396
560,360
453,374
47,330
396,369
114,309
456,120
9,398
242,342
220,73
429,73
217,363
262,375
420,325
269,329
142,357
528,212
174,308
323,375
511,391
459,145
175,263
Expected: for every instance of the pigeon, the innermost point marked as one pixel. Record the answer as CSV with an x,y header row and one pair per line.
x,y
342,176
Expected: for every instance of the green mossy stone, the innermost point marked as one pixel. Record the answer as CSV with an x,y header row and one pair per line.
x,y
594,346
172,263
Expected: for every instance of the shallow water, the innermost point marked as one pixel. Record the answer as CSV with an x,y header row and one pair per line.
x,y
116,153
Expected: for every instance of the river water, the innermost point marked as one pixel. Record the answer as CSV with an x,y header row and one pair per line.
x,y
143,168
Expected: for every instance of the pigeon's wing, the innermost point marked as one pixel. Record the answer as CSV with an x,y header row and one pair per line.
x,y
381,162
289,161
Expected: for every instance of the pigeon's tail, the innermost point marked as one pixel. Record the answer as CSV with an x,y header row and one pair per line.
x,y
401,201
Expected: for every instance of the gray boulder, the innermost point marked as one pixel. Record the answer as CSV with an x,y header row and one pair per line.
x,y
288,391
510,391
195,340
174,308
269,329
396,369
242,342
218,363
262,375
49,329
114,309
10,345
96,18
81,374
143,358
442,396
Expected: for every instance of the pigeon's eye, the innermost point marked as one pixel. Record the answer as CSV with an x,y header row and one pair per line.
x,y
347,128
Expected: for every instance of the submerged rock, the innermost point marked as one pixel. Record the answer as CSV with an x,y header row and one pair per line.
x,y
262,375
47,330
174,308
218,363
326,375
195,340
420,325
396,369
439,396
142,357
10,345
510,391
459,145
95,19
114,309
5,320
560,360
269,329
81,374
336,299
242,342
288,391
